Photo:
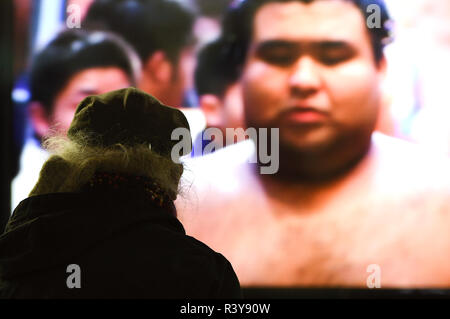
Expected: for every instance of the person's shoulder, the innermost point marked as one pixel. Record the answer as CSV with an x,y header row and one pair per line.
x,y
219,269
409,165
200,266
160,237
408,180
224,171
169,263
412,191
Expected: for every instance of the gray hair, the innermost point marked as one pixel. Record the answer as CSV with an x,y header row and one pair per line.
x,y
73,164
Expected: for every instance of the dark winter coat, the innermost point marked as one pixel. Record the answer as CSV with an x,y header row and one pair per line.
x,y
123,246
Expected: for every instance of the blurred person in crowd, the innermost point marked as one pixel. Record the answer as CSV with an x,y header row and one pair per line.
x,y
73,65
219,96
161,32
345,200
101,222
209,15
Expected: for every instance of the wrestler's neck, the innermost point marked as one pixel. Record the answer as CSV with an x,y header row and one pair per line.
x,y
294,190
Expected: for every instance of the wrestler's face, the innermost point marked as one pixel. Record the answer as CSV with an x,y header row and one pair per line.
x,y
310,70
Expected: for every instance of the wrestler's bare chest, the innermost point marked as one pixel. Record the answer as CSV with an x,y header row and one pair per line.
x,y
390,212
338,248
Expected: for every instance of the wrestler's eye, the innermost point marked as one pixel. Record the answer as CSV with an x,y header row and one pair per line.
x,y
280,55
334,54
334,58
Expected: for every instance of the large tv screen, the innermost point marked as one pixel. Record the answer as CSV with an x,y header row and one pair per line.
x,y
319,129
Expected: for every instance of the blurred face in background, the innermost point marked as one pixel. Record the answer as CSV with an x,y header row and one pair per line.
x,y
91,81
182,81
168,81
310,71
223,111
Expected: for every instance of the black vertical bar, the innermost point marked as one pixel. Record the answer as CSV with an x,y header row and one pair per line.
x,y
6,71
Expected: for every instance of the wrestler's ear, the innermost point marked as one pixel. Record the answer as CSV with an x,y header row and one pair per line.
x,y
39,118
159,68
212,107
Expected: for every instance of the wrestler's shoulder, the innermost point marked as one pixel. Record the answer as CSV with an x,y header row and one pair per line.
x,y
405,165
224,170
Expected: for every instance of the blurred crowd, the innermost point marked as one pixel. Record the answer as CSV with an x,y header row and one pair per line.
x,y
96,47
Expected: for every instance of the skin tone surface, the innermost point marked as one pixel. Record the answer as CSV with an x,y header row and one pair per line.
x,y
224,112
310,71
168,81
